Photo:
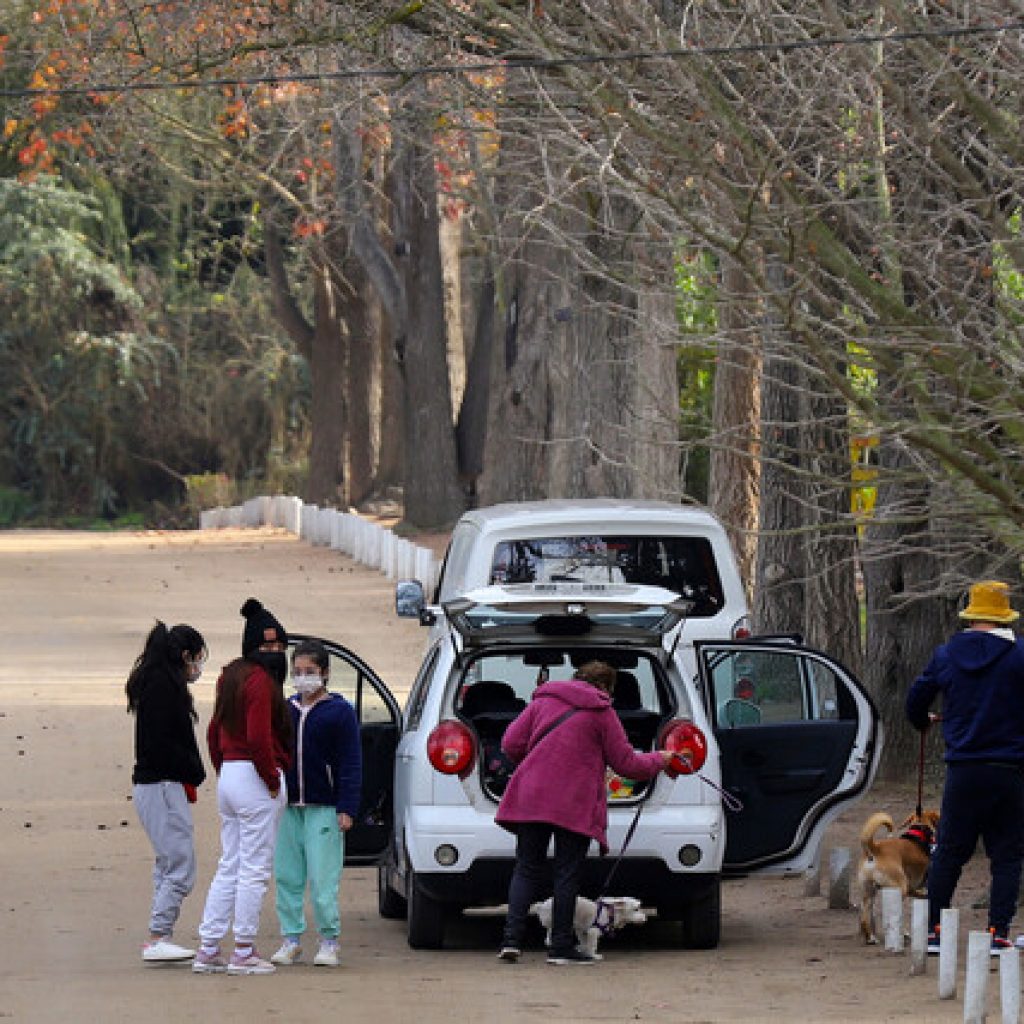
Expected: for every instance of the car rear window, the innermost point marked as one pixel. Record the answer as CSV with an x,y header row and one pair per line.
x,y
640,685
684,565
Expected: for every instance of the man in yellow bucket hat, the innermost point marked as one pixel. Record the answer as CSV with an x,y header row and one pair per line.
x,y
980,675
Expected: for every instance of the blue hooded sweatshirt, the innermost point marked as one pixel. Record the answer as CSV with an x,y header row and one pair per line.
x,y
328,764
981,678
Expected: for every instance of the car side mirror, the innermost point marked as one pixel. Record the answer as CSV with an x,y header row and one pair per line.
x,y
410,601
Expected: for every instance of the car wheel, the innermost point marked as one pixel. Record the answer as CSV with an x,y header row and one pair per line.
x,y
701,919
426,919
390,904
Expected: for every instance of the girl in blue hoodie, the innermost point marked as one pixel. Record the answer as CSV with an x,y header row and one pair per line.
x,y
324,785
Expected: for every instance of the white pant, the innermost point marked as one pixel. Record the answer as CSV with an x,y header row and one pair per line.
x,y
248,828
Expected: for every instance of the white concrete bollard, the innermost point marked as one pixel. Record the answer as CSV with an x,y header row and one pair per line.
x,y
307,522
979,953
812,877
251,512
292,513
345,537
263,510
406,559
892,919
387,554
918,936
949,925
424,562
375,546
277,510
323,527
1009,985
839,878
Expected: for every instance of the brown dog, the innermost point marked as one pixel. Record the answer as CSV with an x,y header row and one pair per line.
x,y
898,861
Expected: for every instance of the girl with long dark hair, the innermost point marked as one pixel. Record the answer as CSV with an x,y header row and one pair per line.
x,y
168,768
249,737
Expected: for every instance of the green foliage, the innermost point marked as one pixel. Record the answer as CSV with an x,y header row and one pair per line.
x,y
696,295
1009,278
73,350
209,490
15,506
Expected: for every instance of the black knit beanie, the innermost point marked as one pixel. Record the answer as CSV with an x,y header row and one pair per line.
x,y
260,627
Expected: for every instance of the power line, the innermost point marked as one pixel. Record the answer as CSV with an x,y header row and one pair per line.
x,y
528,63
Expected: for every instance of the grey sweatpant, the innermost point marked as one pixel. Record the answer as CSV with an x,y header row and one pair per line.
x,y
165,815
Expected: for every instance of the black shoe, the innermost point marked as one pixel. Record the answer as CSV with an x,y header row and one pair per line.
x,y
569,957
999,942
933,942
510,954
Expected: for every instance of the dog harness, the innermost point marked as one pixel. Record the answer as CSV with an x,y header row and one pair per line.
x,y
921,835
603,917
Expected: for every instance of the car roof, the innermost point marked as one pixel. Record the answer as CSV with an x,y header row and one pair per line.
x,y
620,514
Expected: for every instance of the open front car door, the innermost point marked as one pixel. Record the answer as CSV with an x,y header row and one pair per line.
x,y
379,725
800,741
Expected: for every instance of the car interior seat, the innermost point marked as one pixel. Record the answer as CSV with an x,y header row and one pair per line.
x,y
640,723
489,697
627,693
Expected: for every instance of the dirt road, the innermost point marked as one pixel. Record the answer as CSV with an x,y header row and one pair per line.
x,y
75,864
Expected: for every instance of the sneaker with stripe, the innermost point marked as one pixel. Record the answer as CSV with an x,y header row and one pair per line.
x,y
249,962
999,942
209,963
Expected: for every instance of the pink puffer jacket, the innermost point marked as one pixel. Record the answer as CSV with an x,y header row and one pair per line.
x,y
560,780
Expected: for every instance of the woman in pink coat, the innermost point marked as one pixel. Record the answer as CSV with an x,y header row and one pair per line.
x,y
561,744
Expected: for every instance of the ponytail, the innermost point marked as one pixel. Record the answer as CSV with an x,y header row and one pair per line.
x,y
163,655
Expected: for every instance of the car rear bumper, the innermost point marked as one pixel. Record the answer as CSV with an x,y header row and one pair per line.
x,y
661,833
485,883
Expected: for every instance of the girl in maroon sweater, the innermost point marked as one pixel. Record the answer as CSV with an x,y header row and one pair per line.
x,y
249,738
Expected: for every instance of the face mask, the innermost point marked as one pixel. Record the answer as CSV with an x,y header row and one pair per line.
x,y
306,685
275,662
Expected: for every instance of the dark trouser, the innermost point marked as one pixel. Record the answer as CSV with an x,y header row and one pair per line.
x,y
986,800
528,879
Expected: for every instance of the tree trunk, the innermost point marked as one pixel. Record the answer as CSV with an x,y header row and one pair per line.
x,y
326,480
832,611
734,478
583,374
471,428
780,598
432,496
392,412
360,313
907,614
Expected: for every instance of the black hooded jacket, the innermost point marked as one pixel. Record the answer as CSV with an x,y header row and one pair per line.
x,y
165,739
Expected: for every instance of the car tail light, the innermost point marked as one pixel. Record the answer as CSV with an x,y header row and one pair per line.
x,y
451,748
741,628
689,745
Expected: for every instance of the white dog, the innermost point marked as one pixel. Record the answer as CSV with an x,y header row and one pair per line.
x,y
593,919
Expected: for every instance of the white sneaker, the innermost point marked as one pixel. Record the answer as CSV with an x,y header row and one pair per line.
x,y
163,951
289,953
327,954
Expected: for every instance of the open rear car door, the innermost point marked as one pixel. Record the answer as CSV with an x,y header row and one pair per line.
x,y
800,740
379,724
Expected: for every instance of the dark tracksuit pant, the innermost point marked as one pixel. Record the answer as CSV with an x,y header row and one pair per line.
x,y
528,880
981,799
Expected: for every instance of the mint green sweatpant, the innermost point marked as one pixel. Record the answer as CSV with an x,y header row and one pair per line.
x,y
310,847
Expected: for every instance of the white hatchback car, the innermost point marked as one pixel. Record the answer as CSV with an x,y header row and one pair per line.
x,y
788,734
